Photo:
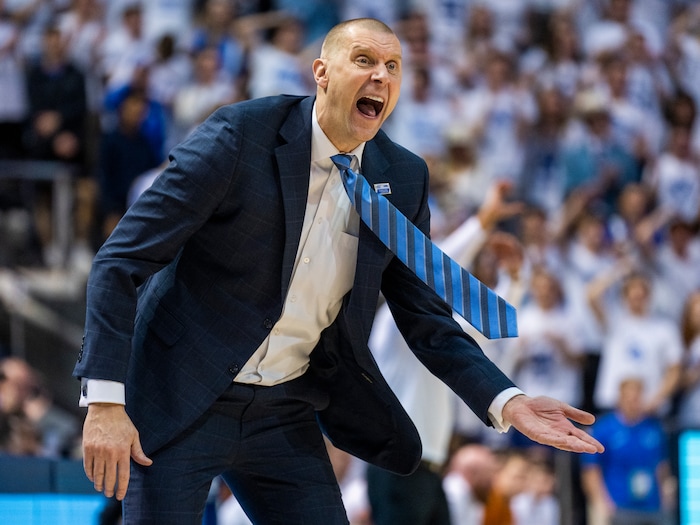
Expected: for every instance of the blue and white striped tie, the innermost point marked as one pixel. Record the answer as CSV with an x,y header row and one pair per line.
x,y
472,299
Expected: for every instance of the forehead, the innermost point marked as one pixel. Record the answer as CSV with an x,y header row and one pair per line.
x,y
360,38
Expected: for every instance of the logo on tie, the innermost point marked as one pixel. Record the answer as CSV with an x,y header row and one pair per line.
x,y
469,297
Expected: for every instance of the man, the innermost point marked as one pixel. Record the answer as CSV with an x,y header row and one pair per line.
x,y
206,302
627,485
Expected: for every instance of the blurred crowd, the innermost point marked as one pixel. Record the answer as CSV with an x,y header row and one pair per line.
x,y
580,116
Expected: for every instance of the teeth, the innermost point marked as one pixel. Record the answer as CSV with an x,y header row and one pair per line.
x,y
376,99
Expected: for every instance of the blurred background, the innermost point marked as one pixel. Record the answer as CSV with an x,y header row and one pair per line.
x,y
567,128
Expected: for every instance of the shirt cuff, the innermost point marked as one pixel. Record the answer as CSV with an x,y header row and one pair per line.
x,y
101,391
496,408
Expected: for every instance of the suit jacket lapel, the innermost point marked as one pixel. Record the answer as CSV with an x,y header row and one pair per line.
x,y
293,161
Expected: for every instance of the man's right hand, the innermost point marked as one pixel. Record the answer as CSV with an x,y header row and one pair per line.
x,y
110,440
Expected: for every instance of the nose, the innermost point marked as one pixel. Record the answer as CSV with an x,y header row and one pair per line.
x,y
380,74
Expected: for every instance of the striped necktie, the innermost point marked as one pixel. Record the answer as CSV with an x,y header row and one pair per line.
x,y
469,297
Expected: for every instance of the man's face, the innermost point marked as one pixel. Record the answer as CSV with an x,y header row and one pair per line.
x,y
358,86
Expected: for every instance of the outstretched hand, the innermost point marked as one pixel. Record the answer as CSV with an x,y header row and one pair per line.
x,y
549,422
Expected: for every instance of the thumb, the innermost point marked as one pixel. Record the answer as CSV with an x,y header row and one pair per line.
x,y
138,455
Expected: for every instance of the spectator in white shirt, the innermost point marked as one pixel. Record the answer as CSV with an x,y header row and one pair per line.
x,y
636,342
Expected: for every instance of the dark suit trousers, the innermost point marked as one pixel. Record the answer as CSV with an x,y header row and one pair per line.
x,y
268,447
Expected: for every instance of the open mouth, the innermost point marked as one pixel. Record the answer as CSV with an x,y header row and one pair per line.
x,y
370,106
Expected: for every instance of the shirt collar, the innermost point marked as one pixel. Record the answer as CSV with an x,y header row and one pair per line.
x,y
321,146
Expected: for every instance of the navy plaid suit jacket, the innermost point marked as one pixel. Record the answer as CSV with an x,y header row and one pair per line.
x,y
194,277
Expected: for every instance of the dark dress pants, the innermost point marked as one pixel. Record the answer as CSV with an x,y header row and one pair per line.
x,y
266,444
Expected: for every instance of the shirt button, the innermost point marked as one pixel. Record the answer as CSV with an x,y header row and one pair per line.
x,y
306,260
293,298
277,331
267,323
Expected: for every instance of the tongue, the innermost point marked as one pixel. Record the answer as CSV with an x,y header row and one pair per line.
x,y
367,108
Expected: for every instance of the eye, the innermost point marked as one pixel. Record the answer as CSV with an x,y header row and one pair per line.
x,y
363,61
392,67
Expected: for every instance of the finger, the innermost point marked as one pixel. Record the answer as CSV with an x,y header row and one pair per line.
x,y
591,444
98,475
124,472
576,440
88,466
110,478
578,415
138,454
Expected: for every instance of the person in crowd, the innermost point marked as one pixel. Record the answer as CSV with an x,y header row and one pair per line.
x,y
421,117
57,104
509,481
277,65
549,356
630,223
125,48
13,103
541,182
467,482
465,183
207,91
170,72
562,68
471,60
83,30
249,394
535,230
538,502
596,164
215,28
587,253
636,341
627,484
675,177
675,262
33,423
125,154
497,113
636,131
33,17
154,123
55,127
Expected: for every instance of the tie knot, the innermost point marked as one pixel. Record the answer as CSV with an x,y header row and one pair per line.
x,y
342,161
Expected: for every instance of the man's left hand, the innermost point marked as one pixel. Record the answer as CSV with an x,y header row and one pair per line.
x,y
549,422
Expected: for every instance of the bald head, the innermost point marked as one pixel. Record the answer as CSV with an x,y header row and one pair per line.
x,y
338,35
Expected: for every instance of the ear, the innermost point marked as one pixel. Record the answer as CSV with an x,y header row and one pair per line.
x,y
320,73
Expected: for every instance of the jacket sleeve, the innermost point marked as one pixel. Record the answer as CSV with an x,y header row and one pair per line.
x,y
149,237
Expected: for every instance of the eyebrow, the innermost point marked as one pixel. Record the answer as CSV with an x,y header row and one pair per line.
x,y
361,49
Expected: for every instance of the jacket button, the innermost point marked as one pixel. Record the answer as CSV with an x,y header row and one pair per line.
x,y
233,369
267,323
